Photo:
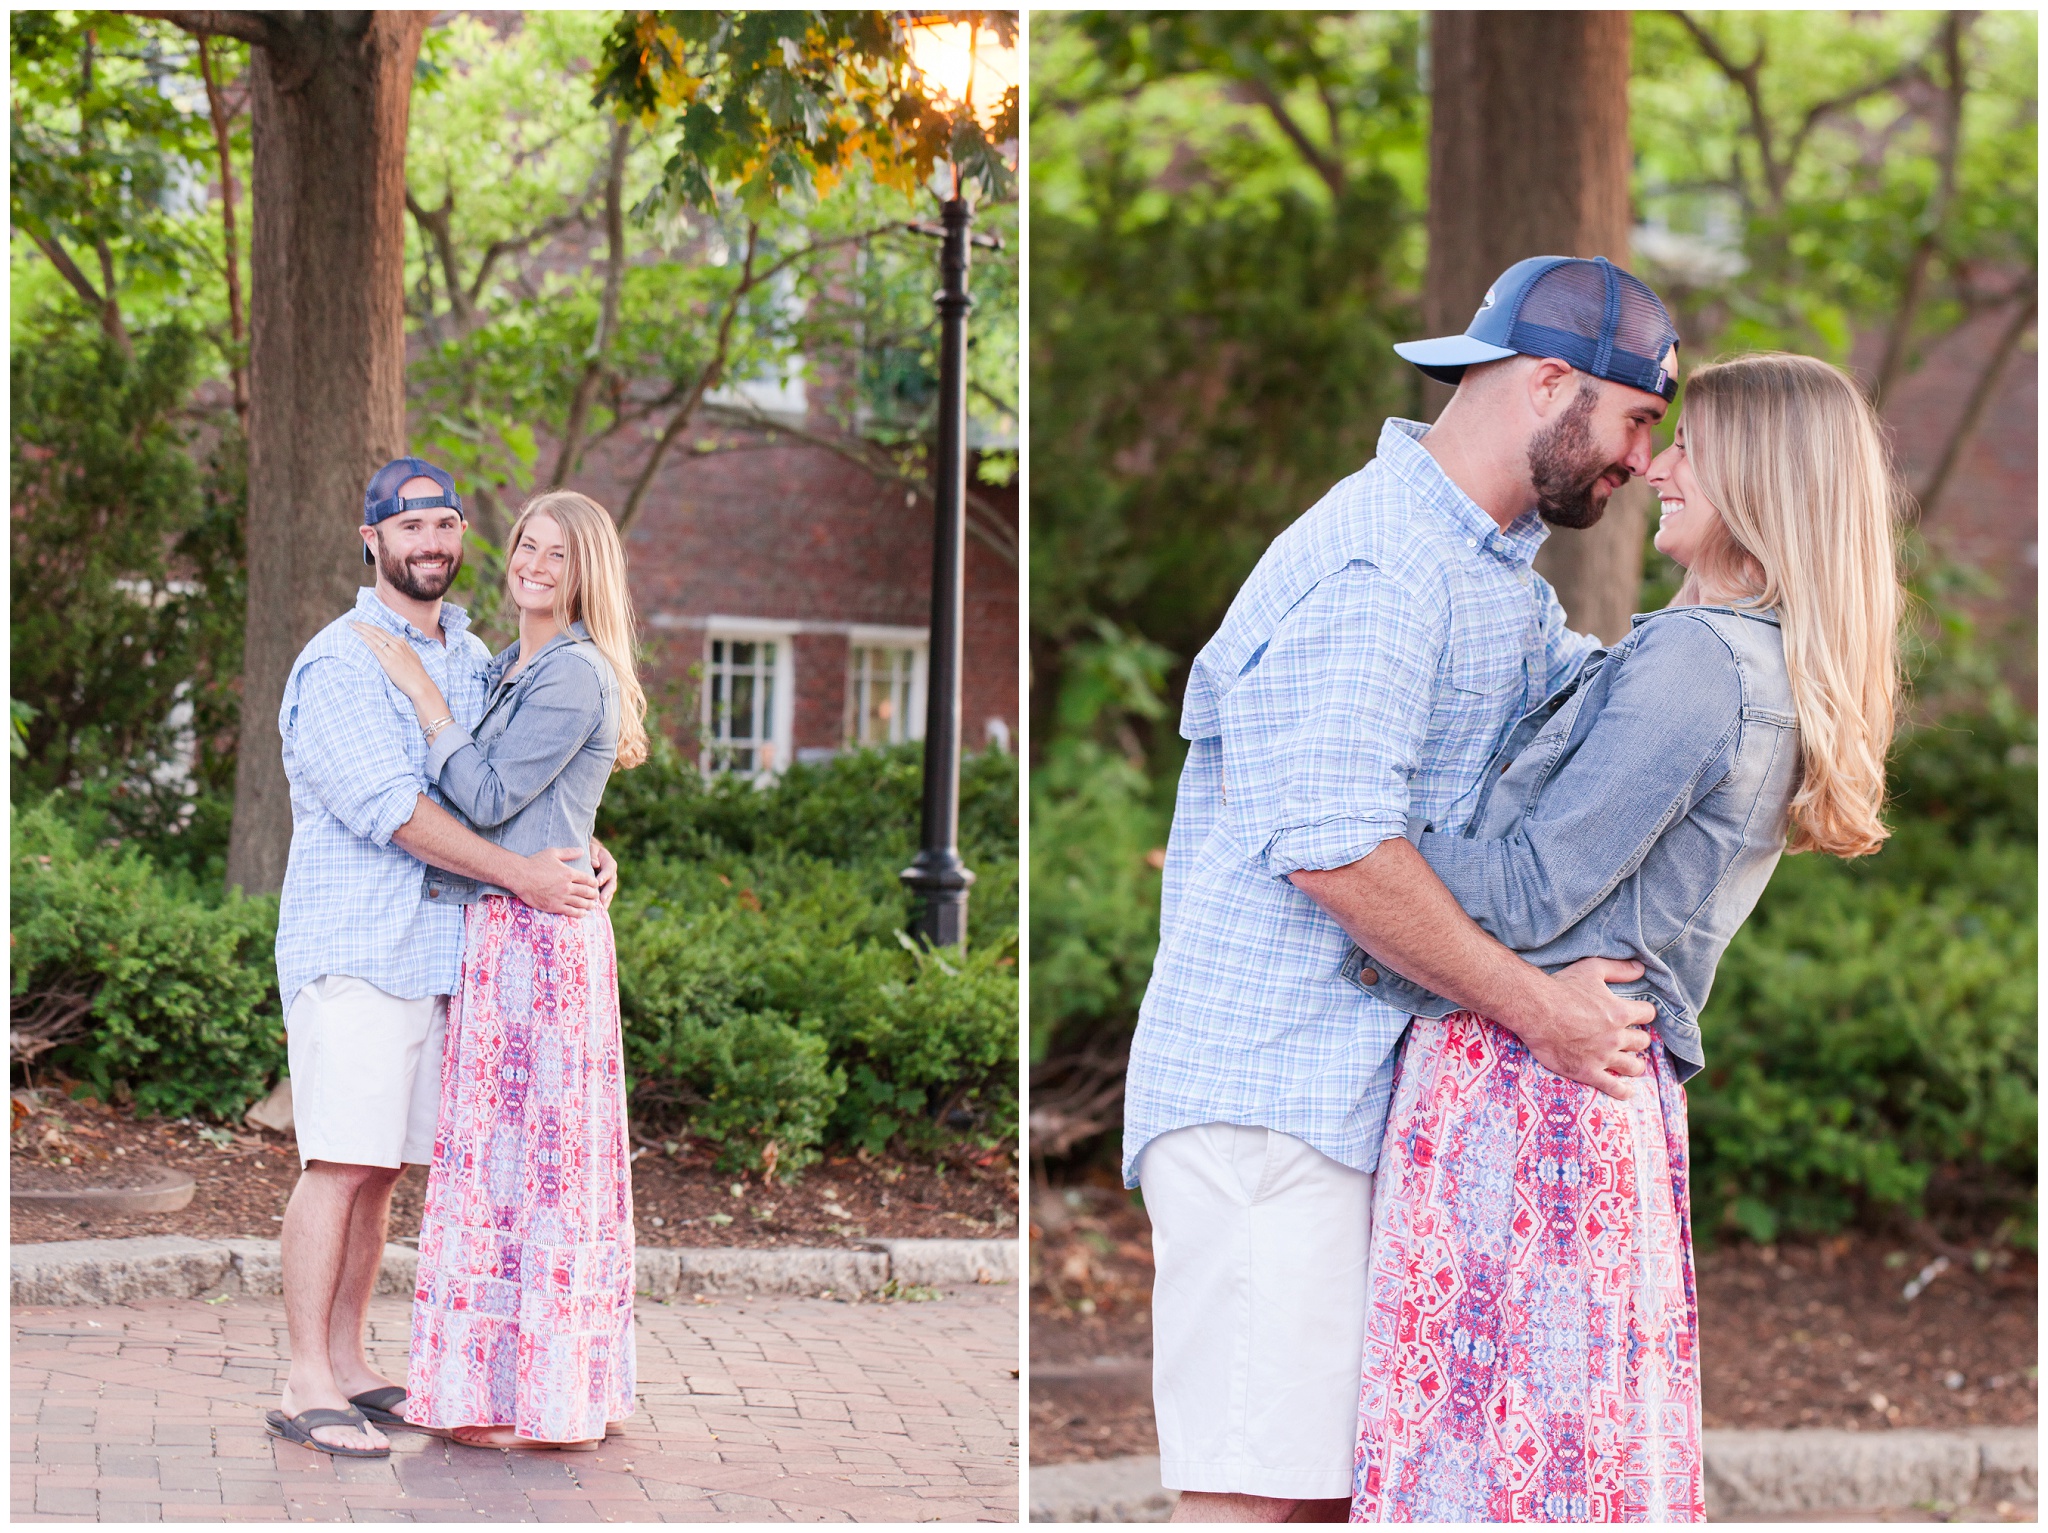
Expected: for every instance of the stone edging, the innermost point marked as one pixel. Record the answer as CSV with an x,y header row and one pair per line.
x,y
177,1267
1748,1474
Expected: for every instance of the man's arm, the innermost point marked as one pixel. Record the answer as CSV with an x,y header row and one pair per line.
x,y
545,880
1395,908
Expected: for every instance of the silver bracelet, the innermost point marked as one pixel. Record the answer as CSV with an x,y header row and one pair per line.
x,y
437,726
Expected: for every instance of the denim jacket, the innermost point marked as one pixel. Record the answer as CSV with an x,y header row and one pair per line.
x,y
1636,814
532,774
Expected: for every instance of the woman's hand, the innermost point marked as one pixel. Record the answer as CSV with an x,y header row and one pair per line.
x,y
405,670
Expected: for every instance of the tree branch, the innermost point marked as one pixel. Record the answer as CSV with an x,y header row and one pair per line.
x,y
714,370
1973,410
1321,163
984,521
216,107
247,26
1934,218
106,306
707,379
607,312
436,225
1747,77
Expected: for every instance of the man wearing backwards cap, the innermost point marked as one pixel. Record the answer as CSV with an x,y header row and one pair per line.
x,y
1364,675
368,945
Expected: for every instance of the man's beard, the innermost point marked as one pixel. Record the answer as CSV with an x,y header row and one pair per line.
x,y
1565,465
420,585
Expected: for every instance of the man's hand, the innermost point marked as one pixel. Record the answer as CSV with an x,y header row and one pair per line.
x,y
606,867
1398,910
547,881
1592,1035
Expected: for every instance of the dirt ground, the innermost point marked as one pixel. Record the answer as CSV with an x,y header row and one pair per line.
x,y
244,1178
1794,1335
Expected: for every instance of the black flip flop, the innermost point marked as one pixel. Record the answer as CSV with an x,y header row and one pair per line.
x,y
299,1429
381,1405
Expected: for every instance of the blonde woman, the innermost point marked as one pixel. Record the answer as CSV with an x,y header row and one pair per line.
x,y
522,1332
1531,1333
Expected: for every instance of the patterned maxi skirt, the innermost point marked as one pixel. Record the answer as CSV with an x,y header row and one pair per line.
x,y
523,1314
1531,1326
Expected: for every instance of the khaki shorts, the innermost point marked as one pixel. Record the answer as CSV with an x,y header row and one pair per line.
x,y
366,1073
1258,1310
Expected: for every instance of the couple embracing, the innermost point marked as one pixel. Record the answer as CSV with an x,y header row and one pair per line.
x,y
1445,893
450,989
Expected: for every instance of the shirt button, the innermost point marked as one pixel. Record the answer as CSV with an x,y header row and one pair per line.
x,y
1471,542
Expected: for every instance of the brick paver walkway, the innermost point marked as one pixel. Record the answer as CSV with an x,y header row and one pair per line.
x,y
751,1409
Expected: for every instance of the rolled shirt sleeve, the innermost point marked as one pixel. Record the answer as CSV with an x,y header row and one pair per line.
x,y
1642,765
349,750
1323,733
561,707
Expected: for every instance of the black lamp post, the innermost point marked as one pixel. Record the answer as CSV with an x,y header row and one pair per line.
x,y
938,876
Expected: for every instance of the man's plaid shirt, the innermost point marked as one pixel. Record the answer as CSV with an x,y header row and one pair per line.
x,y
354,901
1364,676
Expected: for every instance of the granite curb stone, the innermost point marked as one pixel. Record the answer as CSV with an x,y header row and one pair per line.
x,y
176,1267
1748,1474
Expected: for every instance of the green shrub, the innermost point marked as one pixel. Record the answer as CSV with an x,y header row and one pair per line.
x,y
184,995
1094,896
769,992
1871,1036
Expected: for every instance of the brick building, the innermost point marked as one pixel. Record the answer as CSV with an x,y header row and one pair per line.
x,y
1988,518
785,592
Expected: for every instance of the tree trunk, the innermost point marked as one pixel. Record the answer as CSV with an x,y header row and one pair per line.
x,y
1529,155
330,94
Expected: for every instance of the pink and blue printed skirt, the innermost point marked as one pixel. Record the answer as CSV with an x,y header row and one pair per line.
x,y
523,1314
1531,1326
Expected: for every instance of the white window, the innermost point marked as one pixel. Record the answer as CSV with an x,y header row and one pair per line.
x,y
749,705
885,678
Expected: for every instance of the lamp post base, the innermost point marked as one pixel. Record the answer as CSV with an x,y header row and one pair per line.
x,y
940,880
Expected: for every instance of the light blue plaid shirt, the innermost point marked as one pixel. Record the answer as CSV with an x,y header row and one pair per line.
x,y
354,903
1367,671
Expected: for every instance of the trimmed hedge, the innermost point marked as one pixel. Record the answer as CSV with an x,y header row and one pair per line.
x,y
771,998
185,1011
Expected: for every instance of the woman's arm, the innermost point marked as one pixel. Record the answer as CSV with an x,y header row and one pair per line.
x,y
408,675
1658,744
560,706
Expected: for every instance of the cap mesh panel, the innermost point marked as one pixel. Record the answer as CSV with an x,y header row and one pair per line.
x,y
1564,311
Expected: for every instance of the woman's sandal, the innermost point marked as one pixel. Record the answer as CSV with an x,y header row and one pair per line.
x,y
381,1405
516,1441
300,1428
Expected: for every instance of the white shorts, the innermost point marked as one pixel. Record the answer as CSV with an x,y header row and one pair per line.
x,y
366,1073
1258,1310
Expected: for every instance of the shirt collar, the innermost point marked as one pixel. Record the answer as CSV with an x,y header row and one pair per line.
x,y
1409,461
369,606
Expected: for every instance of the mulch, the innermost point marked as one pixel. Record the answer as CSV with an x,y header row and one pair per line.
x,y
1815,1334
245,1176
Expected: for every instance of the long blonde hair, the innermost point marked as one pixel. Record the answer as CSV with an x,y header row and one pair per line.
x,y
593,591
1793,456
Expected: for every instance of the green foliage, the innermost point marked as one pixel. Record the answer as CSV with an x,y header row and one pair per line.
x,y
1871,1036
527,328
183,992
1213,303
769,992
768,103
127,575
1795,216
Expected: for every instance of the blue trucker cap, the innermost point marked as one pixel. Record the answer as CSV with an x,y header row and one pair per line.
x,y
1591,314
381,497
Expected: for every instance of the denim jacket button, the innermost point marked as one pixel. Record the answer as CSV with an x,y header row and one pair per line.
x,y
1368,976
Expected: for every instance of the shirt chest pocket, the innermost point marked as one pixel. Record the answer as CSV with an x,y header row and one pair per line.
x,y
1488,652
